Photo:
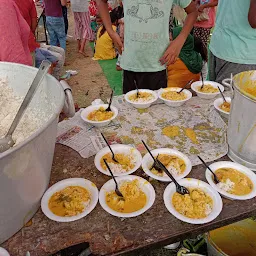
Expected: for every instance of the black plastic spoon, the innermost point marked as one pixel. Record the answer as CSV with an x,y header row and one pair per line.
x,y
135,82
190,82
118,192
216,180
222,94
202,79
155,164
179,189
113,155
110,101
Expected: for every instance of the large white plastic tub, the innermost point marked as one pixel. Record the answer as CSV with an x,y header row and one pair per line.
x,y
25,169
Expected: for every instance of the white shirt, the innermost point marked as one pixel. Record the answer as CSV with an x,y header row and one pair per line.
x,y
79,5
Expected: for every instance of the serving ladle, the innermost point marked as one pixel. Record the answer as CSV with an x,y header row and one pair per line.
x,y
7,141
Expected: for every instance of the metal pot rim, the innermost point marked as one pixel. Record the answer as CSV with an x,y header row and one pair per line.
x,y
236,87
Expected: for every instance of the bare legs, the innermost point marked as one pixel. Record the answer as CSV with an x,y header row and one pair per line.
x,y
81,46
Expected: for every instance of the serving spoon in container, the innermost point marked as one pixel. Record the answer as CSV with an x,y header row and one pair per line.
x,y
7,141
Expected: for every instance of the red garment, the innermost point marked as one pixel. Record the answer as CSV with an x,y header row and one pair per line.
x,y
93,10
211,12
53,8
14,34
28,11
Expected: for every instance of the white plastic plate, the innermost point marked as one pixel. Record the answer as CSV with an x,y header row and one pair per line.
x,y
118,148
145,186
193,183
91,187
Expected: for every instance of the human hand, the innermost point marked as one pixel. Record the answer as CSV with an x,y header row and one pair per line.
x,y
172,53
117,42
201,8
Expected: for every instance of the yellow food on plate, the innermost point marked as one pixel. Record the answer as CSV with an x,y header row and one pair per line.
x,y
69,201
190,133
174,164
196,205
142,97
225,106
173,95
134,198
234,182
100,115
207,89
171,131
126,162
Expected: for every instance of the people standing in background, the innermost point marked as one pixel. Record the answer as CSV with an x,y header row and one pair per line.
x,y
205,20
65,16
252,15
117,15
147,50
28,10
55,22
104,46
14,34
83,31
233,43
93,10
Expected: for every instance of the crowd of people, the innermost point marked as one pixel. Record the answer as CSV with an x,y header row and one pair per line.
x,y
154,48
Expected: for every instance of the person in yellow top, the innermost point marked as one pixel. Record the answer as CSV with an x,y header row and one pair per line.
x,y
104,46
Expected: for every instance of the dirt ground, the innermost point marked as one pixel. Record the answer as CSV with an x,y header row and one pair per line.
x,y
90,83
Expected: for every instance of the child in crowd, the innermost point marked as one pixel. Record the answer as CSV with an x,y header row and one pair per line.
x,y
83,31
55,22
104,47
189,63
205,20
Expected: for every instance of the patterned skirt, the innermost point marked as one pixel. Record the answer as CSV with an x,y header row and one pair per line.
x,y
83,26
203,34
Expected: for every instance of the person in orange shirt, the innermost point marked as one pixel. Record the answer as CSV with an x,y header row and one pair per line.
x,y
188,65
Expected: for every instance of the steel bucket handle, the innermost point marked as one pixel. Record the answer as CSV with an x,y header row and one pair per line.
x,y
69,106
228,82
